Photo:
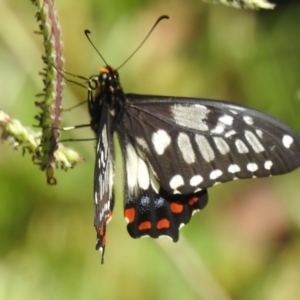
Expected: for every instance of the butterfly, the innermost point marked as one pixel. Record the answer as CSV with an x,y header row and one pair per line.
x,y
174,149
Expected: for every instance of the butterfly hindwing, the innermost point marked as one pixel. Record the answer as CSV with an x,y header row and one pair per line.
x,y
148,209
192,144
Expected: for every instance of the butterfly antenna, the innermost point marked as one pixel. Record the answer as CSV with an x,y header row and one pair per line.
x,y
145,39
87,32
62,72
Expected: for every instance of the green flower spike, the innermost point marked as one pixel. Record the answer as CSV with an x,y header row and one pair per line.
x,y
30,141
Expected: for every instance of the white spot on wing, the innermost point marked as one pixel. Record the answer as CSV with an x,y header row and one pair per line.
x,y
161,236
204,147
102,157
226,119
215,174
161,140
259,133
131,166
233,168
254,142
230,133
221,144
268,164
100,160
143,175
192,116
248,120
153,178
196,180
104,212
219,128
155,185
137,170
287,141
176,182
241,147
142,143
104,137
252,167
181,225
185,147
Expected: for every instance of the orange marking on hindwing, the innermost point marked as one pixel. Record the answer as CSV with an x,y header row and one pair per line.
x,y
176,207
144,225
163,223
130,215
193,200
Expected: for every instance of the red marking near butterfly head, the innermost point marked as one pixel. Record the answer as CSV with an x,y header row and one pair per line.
x,y
176,207
106,69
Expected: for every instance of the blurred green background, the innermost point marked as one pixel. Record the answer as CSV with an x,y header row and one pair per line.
x,y
244,245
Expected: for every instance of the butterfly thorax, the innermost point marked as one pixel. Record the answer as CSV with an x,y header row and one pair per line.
x,y
105,91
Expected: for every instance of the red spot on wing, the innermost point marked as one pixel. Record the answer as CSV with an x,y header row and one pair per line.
x,y
130,214
176,207
101,230
193,200
102,235
145,225
164,223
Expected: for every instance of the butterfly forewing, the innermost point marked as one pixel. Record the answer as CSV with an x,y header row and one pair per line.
x,y
192,144
103,179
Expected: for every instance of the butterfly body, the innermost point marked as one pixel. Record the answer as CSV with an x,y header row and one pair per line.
x,y
174,148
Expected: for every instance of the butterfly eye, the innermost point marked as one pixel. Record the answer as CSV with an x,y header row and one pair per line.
x,y
103,77
116,75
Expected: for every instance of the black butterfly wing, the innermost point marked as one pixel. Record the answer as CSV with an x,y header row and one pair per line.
x,y
103,179
192,144
178,147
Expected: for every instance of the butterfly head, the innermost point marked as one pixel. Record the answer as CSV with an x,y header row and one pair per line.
x,y
108,80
